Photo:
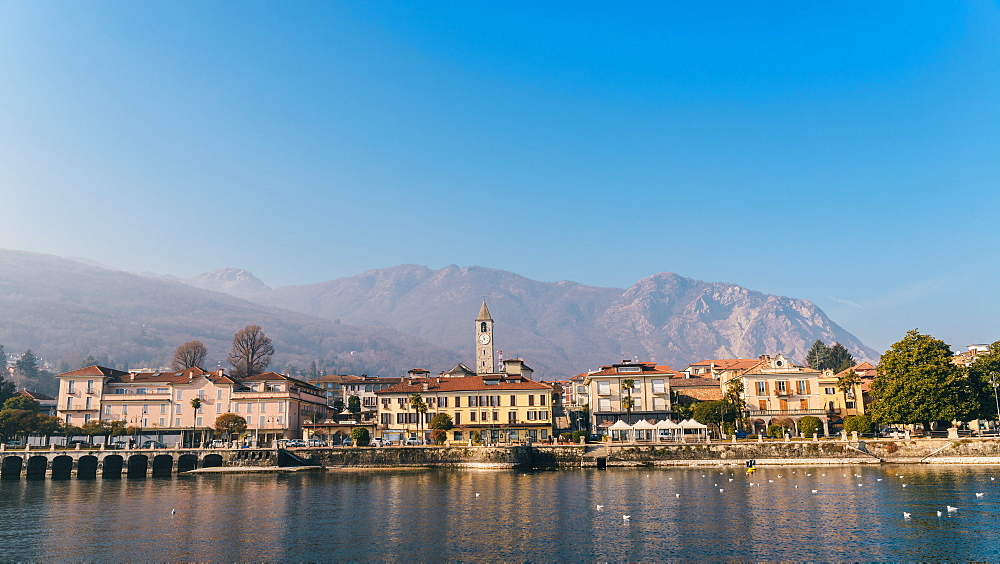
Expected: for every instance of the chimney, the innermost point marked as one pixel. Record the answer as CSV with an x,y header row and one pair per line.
x,y
426,386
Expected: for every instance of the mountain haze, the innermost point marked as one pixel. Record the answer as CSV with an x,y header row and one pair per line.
x,y
564,328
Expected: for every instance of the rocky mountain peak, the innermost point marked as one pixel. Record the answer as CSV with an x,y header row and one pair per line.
x,y
234,281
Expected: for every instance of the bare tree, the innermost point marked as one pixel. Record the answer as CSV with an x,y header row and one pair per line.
x,y
190,355
252,351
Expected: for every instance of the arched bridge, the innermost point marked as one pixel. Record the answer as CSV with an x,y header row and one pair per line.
x,y
135,463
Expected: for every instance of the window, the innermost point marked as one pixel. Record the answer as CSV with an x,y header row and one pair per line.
x,y
281,407
69,387
543,414
443,402
386,419
762,404
142,391
659,404
604,388
178,395
263,407
532,415
385,403
458,417
803,387
761,388
163,409
472,416
69,403
68,419
496,415
458,435
659,386
458,401
162,391
629,369
401,402
121,391
541,399
482,327
177,421
545,434
279,421
145,422
107,409
218,394
782,386
803,404
513,401
531,399
90,386
145,409
201,394
218,407
829,391
603,404
261,421
511,416
249,407
163,422
86,418
89,400
197,421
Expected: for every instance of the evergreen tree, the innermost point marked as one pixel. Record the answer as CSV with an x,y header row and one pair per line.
x,y
27,366
839,359
7,387
918,383
817,356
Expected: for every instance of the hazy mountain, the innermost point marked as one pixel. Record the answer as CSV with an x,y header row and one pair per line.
x,y
65,310
233,281
565,328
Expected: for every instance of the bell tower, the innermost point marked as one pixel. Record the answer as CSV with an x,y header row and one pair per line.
x,y
484,341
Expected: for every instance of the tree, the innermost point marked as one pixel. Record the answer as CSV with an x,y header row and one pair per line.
x,y
191,354
22,402
418,404
354,404
627,402
17,422
809,426
89,361
27,366
846,384
312,372
441,423
983,372
714,412
840,359
918,383
338,405
859,423
7,387
229,425
48,425
251,353
94,428
817,356
361,436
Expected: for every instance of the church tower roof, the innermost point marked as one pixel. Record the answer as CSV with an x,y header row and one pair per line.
x,y
484,313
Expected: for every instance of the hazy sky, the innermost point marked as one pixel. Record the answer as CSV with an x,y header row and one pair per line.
x,y
847,153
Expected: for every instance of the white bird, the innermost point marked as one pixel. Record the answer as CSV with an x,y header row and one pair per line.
x,y
796,486
770,481
721,490
626,517
808,474
677,495
477,494
779,475
952,509
647,475
904,485
730,479
979,495
878,479
173,511
939,513
600,507
991,479
815,491
906,515
859,485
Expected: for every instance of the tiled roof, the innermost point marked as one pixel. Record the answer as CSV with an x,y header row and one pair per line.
x,y
648,369
337,378
272,376
463,384
681,382
99,371
36,395
729,363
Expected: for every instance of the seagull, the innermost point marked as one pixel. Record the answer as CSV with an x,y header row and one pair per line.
x,y
952,509
939,513
477,494
906,515
979,495
677,495
626,517
992,479
808,474
173,511
600,507
878,479
770,481
730,479
859,485
904,485
721,490
815,491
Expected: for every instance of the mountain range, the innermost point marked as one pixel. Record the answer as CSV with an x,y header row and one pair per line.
x,y
387,321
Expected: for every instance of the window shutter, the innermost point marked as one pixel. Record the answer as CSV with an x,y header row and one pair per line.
x,y
807,387
767,386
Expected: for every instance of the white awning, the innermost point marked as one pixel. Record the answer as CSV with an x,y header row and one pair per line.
x,y
643,424
692,424
620,426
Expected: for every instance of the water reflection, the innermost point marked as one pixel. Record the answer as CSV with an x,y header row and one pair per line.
x,y
854,513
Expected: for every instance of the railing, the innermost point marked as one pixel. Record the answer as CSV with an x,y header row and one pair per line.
x,y
769,412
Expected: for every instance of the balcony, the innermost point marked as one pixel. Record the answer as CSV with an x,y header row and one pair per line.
x,y
785,412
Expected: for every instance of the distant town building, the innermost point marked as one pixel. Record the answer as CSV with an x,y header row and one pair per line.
x,y
650,392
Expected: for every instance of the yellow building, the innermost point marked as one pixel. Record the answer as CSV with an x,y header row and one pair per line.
x,y
776,388
502,408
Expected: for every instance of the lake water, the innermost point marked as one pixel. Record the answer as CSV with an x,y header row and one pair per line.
x,y
540,516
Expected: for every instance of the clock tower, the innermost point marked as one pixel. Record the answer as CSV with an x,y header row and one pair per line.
x,y
484,342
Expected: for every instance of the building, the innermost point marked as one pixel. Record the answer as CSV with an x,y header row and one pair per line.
x,y
721,369
332,386
502,406
46,404
160,405
366,388
775,388
650,392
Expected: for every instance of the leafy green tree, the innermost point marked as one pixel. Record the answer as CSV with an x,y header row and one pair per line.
x,y
810,426
22,402
95,428
627,402
918,383
441,421
361,436
338,405
17,422
354,404
776,431
839,359
817,356
48,425
230,425
859,423
983,372
714,412
27,366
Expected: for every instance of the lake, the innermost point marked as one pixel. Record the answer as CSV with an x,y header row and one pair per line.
x,y
855,513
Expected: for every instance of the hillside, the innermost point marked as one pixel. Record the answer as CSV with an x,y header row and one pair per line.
x,y
65,310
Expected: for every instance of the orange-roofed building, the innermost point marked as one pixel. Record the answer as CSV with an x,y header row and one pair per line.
x,y
650,392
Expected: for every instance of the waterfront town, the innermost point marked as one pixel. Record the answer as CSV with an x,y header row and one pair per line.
x,y
491,403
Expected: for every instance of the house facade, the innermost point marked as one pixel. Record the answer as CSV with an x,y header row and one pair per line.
x,y
775,388
159,404
650,393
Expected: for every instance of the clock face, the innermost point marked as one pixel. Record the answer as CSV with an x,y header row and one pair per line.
x,y
484,338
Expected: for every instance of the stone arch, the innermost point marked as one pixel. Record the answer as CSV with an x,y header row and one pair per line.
x,y
187,462
212,461
163,465
86,467
111,466
10,469
37,465
138,466
62,467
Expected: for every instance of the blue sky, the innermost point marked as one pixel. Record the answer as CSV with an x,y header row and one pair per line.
x,y
843,152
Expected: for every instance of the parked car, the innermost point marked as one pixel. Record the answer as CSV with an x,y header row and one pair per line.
x,y
348,441
218,443
378,442
317,443
740,434
77,442
117,445
413,441
14,444
153,444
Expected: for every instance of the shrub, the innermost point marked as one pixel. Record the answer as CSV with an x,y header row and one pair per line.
x,y
476,436
809,426
441,421
361,436
776,431
859,423
439,436
575,435
565,436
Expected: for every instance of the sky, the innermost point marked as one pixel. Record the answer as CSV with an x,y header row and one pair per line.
x,y
841,152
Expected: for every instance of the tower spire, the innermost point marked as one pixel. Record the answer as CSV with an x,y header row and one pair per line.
x,y
484,313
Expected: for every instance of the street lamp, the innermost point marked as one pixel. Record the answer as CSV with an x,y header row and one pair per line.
x,y
995,382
